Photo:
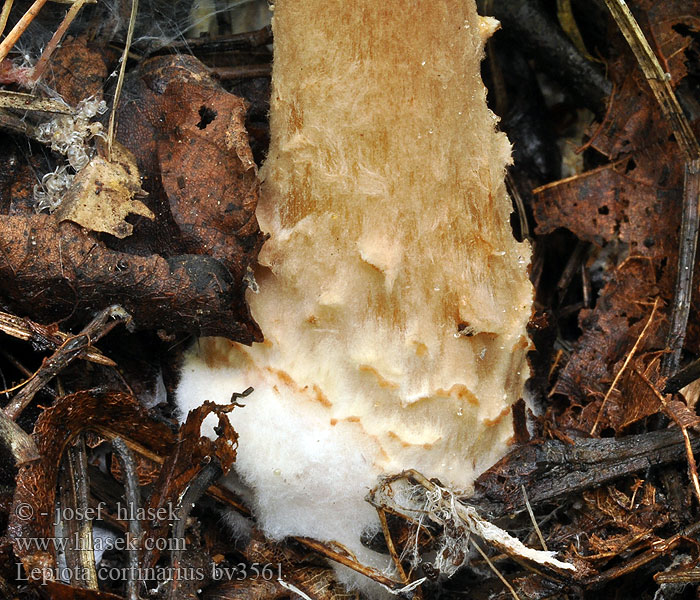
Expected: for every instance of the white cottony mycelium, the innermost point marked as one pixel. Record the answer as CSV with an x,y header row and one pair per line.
x,y
392,294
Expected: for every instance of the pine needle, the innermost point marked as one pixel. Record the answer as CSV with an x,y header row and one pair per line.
x,y
624,365
9,42
495,570
120,80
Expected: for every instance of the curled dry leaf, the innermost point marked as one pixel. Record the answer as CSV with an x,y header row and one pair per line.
x,y
191,453
108,414
188,135
101,194
52,270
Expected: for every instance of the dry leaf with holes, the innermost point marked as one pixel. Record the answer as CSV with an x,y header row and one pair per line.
x,y
101,195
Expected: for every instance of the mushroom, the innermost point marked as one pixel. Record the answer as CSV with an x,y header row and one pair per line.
x,y
392,294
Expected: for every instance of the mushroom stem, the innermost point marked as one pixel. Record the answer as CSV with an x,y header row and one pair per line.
x,y
393,296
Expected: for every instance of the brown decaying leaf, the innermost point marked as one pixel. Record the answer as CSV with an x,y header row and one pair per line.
x,y
609,332
189,139
634,516
53,270
635,199
215,211
101,195
78,70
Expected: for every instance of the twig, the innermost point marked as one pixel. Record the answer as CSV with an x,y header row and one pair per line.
x,y
572,266
120,79
495,570
133,499
199,484
624,365
542,36
20,101
43,61
16,125
219,44
5,14
442,501
17,440
639,561
74,495
532,518
390,544
660,84
690,222
12,37
346,560
692,467
64,355
242,72
29,331
514,193
685,376
658,79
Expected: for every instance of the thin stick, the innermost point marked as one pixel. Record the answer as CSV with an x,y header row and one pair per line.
x,y
343,559
690,222
133,499
43,61
12,37
20,101
25,329
660,84
658,79
624,365
390,544
71,349
5,14
198,486
534,521
495,570
76,493
120,79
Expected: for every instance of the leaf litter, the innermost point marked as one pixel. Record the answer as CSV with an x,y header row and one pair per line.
x,y
165,227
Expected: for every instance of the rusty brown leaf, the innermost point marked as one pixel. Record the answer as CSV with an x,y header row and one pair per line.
x,y
108,414
634,199
189,138
191,452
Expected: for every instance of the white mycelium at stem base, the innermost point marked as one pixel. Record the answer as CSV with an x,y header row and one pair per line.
x,y
393,297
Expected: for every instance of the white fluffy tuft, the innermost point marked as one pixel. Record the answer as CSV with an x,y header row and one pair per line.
x,y
302,473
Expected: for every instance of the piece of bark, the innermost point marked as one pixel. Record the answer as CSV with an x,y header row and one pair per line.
x,y
553,470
